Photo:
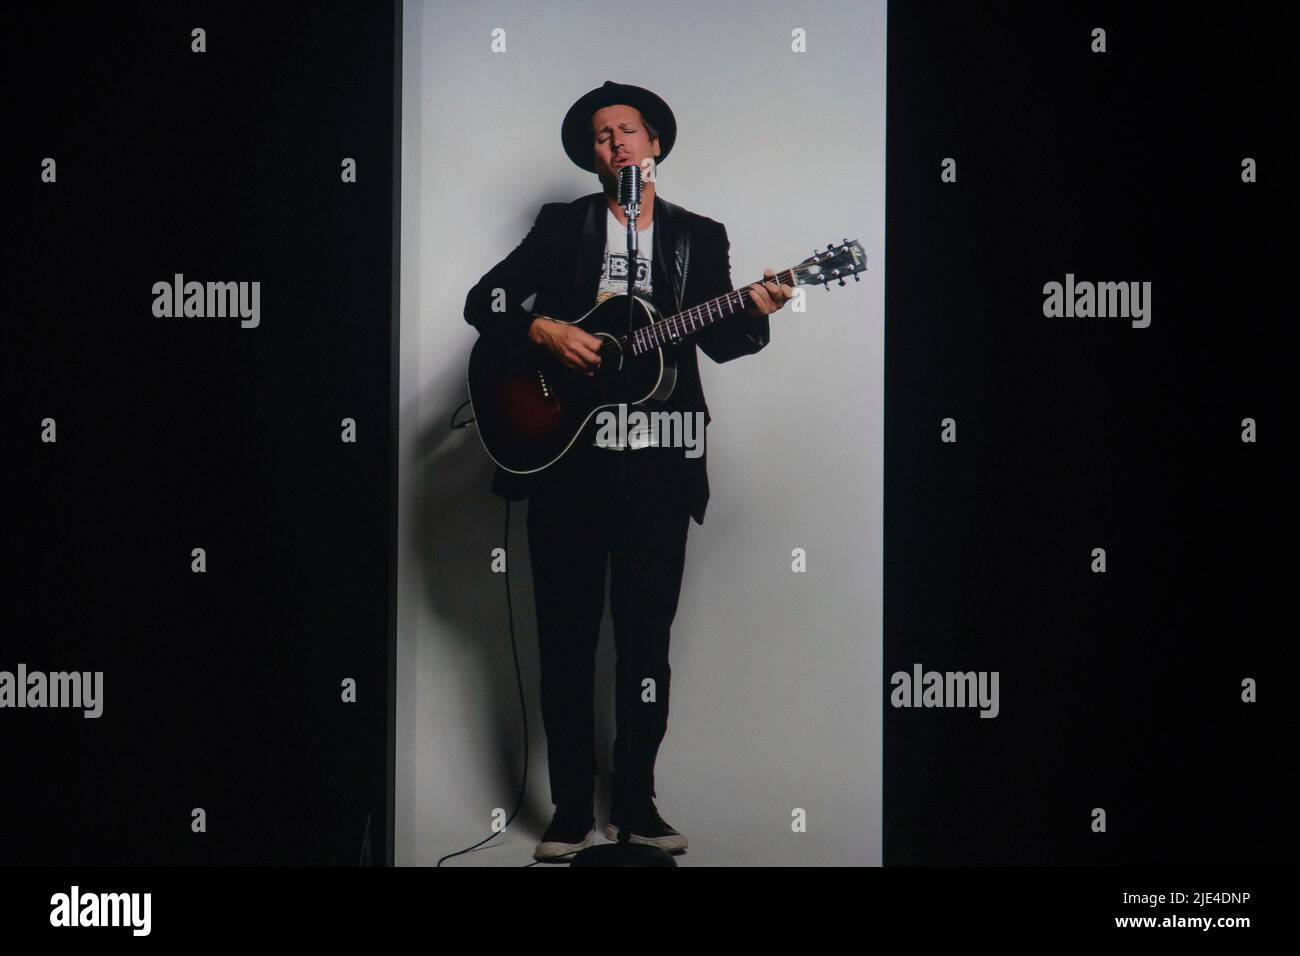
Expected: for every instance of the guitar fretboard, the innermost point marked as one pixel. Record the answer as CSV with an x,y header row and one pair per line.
x,y
679,326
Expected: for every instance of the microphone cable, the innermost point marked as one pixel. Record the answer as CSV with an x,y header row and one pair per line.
x,y
523,709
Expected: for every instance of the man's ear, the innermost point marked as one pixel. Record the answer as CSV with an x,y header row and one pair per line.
x,y
656,144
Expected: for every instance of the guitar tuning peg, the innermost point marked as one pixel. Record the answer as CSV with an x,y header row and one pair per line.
x,y
856,277
841,282
830,247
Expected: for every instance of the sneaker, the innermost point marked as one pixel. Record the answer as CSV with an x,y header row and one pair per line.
x,y
568,833
646,827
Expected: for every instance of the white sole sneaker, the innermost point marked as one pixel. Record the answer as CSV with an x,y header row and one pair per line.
x,y
553,850
672,844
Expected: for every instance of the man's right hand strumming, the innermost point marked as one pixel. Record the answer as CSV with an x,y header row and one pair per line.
x,y
577,349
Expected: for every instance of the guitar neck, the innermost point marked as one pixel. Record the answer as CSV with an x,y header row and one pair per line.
x,y
836,264
696,319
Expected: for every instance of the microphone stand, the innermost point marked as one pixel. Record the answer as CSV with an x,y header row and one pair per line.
x,y
624,852
633,213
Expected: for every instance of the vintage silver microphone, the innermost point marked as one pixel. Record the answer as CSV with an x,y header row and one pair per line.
x,y
629,197
629,186
629,189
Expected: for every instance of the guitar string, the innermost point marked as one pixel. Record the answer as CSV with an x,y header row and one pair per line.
x,y
664,326
641,334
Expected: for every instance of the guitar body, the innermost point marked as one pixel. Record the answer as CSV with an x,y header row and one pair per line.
x,y
530,408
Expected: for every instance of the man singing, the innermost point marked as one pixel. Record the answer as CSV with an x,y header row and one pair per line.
x,y
580,522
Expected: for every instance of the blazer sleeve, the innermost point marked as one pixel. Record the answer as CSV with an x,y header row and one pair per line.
x,y
518,275
735,335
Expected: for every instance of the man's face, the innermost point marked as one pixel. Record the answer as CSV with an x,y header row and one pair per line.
x,y
620,138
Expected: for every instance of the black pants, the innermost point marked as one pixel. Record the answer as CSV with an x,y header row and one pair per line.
x,y
574,533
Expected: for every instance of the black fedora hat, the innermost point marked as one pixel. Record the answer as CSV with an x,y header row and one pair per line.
x,y
575,131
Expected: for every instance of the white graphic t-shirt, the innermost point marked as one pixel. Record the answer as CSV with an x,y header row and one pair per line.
x,y
613,273
613,281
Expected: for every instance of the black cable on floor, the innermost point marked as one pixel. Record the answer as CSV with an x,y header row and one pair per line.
x,y
523,710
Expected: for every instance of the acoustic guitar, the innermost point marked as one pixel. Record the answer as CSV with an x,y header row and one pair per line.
x,y
530,407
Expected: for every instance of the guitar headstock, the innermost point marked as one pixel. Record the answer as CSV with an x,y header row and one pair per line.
x,y
837,262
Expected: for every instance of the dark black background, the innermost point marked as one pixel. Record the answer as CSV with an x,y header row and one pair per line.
x,y
222,690
1118,690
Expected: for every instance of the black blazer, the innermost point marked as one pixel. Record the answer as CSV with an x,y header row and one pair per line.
x,y
560,260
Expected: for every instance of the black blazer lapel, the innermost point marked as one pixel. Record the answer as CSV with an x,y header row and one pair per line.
x,y
671,255
665,294
590,258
